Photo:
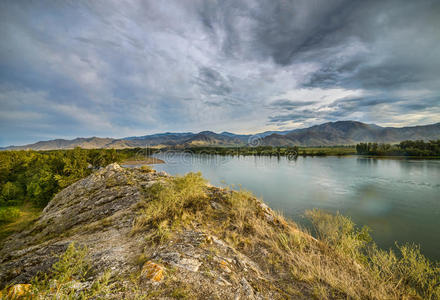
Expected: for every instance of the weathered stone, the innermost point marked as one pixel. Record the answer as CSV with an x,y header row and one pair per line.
x,y
223,282
224,266
176,259
269,217
266,212
216,205
189,264
249,291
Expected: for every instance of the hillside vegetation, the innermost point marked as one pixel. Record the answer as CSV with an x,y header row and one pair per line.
x,y
29,179
287,151
34,177
137,234
405,148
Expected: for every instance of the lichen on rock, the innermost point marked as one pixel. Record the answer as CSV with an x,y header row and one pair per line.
x,y
16,291
152,271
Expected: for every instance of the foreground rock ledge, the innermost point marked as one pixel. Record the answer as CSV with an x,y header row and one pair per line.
x,y
196,262
99,212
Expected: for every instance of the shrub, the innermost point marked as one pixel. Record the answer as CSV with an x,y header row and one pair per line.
x,y
170,200
9,214
11,193
73,266
341,233
408,271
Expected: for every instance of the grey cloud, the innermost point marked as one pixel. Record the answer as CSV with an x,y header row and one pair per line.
x,y
223,102
369,103
401,47
318,31
345,107
134,65
289,104
297,116
354,104
98,42
212,82
288,117
289,28
378,106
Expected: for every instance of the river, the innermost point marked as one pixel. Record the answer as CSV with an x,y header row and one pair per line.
x,y
399,199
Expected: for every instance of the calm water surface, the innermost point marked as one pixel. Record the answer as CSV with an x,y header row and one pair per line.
x,y
398,199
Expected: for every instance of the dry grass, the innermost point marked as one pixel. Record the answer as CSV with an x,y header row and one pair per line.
x,y
342,263
407,274
170,203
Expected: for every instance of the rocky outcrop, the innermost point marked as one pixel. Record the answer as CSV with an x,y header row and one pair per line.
x,y
96,211
99,212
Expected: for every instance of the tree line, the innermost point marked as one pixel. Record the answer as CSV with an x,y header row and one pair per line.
x,y
406,148
236,151
36,176
289,151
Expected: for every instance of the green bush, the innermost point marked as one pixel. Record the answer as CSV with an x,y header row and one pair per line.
x,y
72,266
341,233
36,176
9,214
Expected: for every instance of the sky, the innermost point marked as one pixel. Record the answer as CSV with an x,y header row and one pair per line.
x,y
119,68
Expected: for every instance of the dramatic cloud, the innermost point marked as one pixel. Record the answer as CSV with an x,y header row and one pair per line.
x,y
289,104
123,68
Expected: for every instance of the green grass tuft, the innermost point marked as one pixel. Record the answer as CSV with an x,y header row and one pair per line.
x,y
9,214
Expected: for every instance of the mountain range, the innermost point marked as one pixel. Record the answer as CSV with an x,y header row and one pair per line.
x,y
327,134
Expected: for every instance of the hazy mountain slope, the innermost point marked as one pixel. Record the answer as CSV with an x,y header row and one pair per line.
x,y
88,143
351,132
167,138
207,138
327,134
428,132
161,135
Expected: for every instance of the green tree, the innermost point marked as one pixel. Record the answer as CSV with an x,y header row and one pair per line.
x,y
11,193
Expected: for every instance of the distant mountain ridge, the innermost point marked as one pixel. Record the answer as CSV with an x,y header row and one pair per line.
x,y
352,132
327,134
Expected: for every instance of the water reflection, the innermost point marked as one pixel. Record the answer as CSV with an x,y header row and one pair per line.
x,y
370,202
366,160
